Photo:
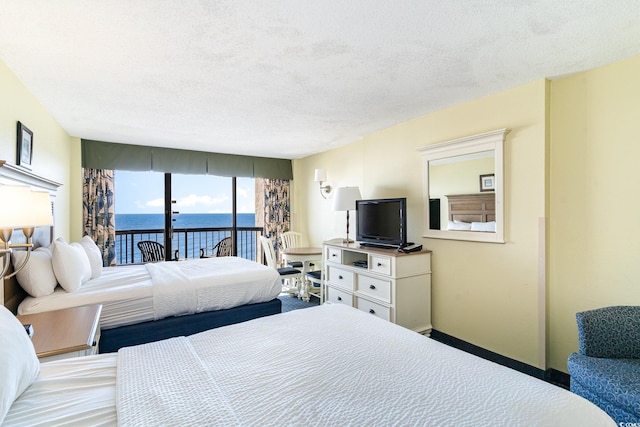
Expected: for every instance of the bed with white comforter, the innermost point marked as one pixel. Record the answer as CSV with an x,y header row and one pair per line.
x,y
137,293
329,365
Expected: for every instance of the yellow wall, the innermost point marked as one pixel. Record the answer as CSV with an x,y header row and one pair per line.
x,y
595,203
483,293
52,146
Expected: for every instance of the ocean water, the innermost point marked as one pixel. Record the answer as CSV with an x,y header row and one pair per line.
x,y
189,245
151,221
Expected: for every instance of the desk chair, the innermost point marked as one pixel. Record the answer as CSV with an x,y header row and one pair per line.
x,y
315,285
291,239
288,274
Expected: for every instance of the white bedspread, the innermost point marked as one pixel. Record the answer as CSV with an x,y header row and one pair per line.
x,y
193,286
331,365
80,391
127,296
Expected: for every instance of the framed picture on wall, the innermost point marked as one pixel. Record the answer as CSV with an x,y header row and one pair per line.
x,y
25,146
487,182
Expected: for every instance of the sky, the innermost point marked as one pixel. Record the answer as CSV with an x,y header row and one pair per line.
x,y
143,192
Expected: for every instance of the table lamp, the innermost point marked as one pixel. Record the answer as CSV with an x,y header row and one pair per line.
x,y
25,209
344,199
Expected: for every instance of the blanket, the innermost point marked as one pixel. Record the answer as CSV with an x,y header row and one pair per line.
x,y
194,286
331,365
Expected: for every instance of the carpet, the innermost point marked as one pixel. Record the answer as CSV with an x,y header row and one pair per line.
x,y
293,303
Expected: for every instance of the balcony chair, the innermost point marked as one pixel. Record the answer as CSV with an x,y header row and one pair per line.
x,y
289,275
606,368
151,251
222,248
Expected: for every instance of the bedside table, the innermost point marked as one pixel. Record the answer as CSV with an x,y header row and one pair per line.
x,y
70,332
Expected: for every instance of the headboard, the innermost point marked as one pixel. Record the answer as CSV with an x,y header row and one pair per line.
x,y
479,207
12,294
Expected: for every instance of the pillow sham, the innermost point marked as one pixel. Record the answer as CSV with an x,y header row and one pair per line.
x,y
458,225
70,264
37,277
94,255
19,365
483,226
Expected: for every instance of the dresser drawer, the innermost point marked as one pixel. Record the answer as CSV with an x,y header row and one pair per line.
x,y
334,255
377,288
340,277
377,310
380,264
339,296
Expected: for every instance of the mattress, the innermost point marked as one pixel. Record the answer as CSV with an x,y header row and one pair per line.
x,y
127,295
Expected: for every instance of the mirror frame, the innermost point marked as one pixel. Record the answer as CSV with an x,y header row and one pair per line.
x,y
487,141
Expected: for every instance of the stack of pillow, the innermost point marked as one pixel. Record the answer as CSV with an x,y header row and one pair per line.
x,y
67,264
472,226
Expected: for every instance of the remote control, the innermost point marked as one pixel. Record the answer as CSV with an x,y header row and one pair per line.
x,y
410,248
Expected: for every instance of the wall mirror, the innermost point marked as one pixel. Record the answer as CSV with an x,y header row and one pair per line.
x,y
464,188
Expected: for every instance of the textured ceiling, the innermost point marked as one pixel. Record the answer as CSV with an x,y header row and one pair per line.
x,y
289,78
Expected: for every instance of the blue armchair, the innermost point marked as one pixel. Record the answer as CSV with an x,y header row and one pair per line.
x,y
606,369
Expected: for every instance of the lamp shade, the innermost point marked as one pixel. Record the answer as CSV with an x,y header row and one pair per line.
x,y
320,175
16,206
345,198
41,208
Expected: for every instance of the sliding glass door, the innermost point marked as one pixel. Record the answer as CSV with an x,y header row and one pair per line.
x,y
188,214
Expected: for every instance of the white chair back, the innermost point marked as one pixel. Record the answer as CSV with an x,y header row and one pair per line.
x,y
269,251
290,239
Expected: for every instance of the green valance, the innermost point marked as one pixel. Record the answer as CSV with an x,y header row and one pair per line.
x,y
109,155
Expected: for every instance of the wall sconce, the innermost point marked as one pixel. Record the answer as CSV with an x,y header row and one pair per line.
x,y
22,208
321,176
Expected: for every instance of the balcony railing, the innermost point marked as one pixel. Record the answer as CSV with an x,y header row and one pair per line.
x,y
188,242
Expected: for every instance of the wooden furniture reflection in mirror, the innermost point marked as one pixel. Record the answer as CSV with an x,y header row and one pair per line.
x,y
472,207
11,294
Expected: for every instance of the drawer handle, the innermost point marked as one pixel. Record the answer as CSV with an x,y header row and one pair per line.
x,y
340,277
334,255
372,311
379,264
339,298
372,286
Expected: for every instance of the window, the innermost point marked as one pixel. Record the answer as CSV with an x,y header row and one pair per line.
x,y
204,208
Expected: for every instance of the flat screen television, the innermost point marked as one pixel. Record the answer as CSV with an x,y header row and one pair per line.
x,y
382,222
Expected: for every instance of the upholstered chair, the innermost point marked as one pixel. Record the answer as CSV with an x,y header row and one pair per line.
x,y
606,369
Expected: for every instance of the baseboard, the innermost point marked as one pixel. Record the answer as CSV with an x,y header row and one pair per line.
x,y
553,376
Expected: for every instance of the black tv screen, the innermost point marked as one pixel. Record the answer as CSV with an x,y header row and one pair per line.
x,y
382,222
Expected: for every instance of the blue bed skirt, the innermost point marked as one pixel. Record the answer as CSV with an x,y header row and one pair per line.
x,y
113,339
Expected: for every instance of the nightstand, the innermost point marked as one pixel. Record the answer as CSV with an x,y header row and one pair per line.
x,y
61,334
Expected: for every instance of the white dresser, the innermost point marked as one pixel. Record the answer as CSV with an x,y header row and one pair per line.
x,y
388,284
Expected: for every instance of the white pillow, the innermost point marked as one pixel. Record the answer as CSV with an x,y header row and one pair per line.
x,y
458,225
37,277
94,255
70,264
19,365
483,226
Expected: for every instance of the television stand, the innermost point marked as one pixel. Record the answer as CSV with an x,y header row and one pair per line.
x,y
389,284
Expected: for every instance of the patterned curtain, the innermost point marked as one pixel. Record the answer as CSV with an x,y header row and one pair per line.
x,y
276,208
99,211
